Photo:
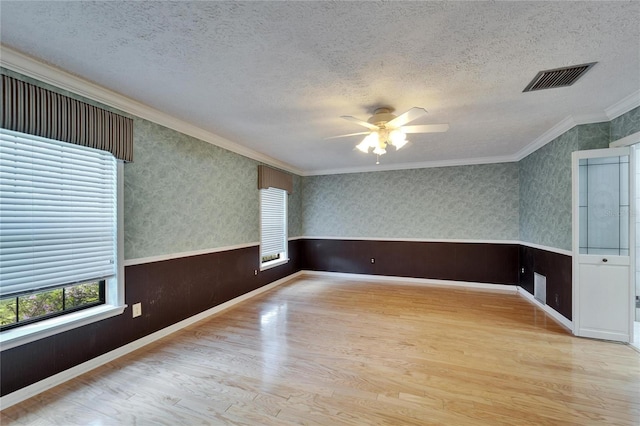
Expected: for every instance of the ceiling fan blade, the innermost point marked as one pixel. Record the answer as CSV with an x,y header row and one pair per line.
x,y
350,134
426,128
405,118
360,122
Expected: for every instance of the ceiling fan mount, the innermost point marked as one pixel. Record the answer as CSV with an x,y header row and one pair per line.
x,y
386,129
381,116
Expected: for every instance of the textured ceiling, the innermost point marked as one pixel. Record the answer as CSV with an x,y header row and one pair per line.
x,y
276,76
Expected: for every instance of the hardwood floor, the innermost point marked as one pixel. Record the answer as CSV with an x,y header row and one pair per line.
x,y
331,352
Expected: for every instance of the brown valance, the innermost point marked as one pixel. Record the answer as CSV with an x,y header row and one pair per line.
x,y
37,111
272,178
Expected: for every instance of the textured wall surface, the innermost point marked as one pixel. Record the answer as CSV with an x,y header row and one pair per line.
x,y
294,212
466,202
626,124
183,194
545,185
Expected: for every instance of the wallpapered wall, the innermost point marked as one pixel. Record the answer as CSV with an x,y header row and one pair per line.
x,y
626,124
466,202
294,209
183,194
545,185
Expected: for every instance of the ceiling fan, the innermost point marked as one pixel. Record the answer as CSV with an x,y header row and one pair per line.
x,y
387,129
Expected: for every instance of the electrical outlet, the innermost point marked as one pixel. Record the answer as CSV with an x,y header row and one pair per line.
x,y
255,272
136,309
373,260
522,271
557,300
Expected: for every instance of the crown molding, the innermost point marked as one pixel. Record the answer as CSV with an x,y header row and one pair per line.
x,y
409,166
26,65
591,118
623,106
562,127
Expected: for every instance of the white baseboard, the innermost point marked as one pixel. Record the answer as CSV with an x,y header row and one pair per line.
x,y
555,315
506,288
52,381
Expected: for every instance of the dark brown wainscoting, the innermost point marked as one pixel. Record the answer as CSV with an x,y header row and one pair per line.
x,y
558,270
471,262
169,291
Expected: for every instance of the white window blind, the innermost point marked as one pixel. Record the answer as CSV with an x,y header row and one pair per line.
x,y
273,202
57,213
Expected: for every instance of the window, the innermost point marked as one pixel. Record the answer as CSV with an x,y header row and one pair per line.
x,y
273,227
26,308
59,235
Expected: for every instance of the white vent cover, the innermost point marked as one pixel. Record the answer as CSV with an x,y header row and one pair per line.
x,y
540,288
559,77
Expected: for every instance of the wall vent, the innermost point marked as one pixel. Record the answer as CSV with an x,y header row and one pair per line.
x,y
540,288
559,77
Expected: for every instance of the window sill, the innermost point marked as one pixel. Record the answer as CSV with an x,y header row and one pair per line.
x,y
39,330
273,264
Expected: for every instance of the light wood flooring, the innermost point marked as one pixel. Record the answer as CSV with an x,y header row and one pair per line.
x,y
333,352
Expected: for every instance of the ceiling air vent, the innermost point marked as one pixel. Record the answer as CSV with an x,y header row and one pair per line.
x,y
559,77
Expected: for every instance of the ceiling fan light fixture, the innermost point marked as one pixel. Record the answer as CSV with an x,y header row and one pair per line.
x,y
372,139
400,144
379,151
397,138
363,146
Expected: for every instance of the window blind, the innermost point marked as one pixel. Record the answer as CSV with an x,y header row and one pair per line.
x,y
58,213
273,221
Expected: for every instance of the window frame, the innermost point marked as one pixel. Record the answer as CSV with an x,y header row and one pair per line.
x,y
65,310
284,256
114,291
